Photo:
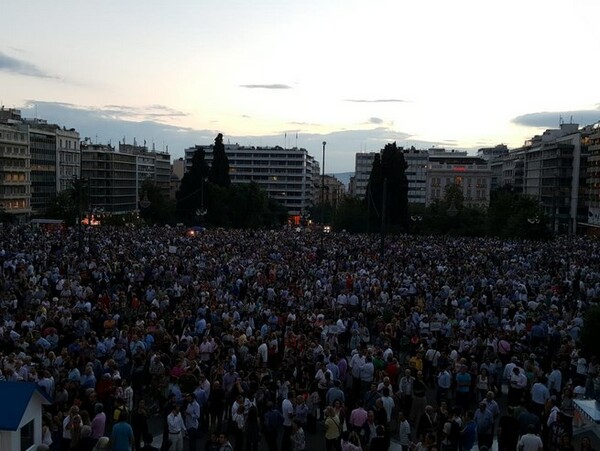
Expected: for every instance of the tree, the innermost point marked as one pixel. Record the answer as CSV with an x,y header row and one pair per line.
x,y
159,209
515,215
351,216
193,191
391,167
219,171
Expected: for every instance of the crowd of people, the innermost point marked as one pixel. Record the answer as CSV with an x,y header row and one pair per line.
x,y
228,340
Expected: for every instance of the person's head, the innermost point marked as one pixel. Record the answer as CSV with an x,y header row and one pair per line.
x,y
223,438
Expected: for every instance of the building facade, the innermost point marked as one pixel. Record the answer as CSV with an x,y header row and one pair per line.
x,y
111,177
363,163
416,174
471,174
15,171
285,174
68,157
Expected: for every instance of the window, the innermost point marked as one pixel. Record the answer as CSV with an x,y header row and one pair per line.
x,y
27,434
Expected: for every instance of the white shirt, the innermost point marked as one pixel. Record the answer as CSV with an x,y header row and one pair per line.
x,y
175,423
530,442
287,409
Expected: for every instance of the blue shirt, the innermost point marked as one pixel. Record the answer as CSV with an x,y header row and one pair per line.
x,y
463,380
122,437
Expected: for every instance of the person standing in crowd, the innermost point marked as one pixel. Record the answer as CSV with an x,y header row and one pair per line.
x,y
176,428
192,418
122,435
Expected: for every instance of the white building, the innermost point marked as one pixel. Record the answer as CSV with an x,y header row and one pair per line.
x,y
472,174
15,173
68,154
363,163
285,174
416,173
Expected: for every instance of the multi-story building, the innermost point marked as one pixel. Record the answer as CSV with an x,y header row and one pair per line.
x,y
492,153
593,177
162,174
152,166
333,191
68,157
53,158
177,171
363,163
416,173
15,159
111,177
285,174
472,174
551,168
44,166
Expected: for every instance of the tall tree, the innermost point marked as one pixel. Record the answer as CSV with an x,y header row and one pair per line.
x,y
390,166
219,171
193,189
394,168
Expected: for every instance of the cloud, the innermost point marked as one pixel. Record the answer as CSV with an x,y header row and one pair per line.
x,y
304,124
552,118
376,100
150,112
268,86
20,67
109,127
97,124
375,120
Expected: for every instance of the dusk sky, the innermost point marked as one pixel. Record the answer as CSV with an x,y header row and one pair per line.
x,y
357,74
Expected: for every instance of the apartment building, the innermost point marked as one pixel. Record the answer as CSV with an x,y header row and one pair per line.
x,y
287,175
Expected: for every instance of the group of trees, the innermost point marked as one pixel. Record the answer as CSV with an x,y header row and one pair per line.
x,y
207,195
509,215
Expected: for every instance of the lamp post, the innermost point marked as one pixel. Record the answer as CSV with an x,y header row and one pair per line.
x,y
201,211
323,198
78,186
416,219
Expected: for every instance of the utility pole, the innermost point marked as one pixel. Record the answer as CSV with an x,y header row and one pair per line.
x,y
323,200
383,212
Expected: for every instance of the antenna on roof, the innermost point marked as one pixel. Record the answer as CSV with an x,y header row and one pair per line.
x,y
560,120
571,119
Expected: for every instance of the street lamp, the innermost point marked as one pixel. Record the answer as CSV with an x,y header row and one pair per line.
x,y
145,202
323,197
416,219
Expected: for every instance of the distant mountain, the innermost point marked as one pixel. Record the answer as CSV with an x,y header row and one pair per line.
x,y
344,177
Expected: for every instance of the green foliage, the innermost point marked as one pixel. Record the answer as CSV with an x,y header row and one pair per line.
x,y
247,206
71,204
219,170
192,191
160,210
351,216
391,167
514,215
590,333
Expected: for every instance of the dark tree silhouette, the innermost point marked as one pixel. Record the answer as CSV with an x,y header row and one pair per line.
x,y
219,171
390,166
193,186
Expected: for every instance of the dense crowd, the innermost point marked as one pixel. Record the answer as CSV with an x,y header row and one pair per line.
x,y
235,339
